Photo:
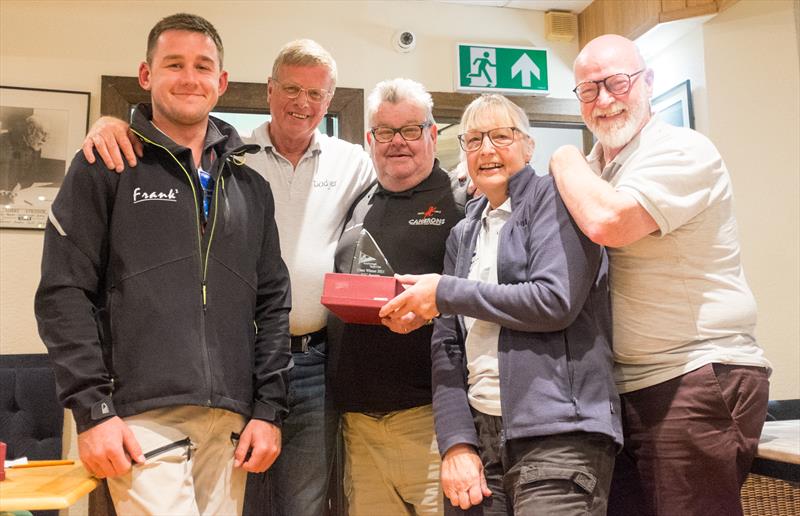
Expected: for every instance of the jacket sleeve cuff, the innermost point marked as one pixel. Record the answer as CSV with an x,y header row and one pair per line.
x,y
444,292
268,413
96,414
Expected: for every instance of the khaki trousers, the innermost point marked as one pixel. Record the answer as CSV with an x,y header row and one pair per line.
x,y
392,463
182,478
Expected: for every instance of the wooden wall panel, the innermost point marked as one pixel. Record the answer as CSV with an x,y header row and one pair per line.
x,y
697,3
691,9
629,18
672,5
119,94
632,18
724,4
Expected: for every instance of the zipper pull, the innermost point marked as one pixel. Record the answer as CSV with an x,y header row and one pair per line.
x,y
205,303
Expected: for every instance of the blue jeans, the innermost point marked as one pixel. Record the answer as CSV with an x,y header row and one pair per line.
x,y
298,481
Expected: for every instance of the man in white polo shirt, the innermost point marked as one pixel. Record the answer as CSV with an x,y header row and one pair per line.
x,y
692,378
314,180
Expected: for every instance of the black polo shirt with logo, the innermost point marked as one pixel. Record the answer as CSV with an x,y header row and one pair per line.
x,y
370,368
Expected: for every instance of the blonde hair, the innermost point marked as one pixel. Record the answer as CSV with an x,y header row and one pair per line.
x,y
305,52
494,104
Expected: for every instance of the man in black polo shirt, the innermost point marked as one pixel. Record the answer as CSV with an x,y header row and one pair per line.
x,y
381,377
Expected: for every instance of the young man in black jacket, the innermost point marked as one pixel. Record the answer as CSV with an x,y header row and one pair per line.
x,y
164,300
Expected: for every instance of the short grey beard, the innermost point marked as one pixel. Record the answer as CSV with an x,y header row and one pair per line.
x,y
618,135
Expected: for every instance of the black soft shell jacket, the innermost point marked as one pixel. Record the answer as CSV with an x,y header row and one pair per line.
x,y
143,306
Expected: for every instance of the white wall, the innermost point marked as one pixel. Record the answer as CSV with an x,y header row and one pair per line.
x,y
743,66
753,80
682,60
70,44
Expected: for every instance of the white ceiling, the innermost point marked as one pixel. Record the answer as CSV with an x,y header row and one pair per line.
x,y
574,6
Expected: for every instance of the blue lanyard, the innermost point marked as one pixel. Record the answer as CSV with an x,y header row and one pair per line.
x,y
207,183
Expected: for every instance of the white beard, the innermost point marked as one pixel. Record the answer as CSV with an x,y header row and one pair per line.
x,y
617,133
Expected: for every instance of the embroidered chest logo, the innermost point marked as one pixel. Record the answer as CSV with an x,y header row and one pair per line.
x,y
142,196
428,217
327,184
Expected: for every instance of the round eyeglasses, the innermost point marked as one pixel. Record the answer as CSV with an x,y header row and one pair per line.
x,y
500,137
293,91
617,84
410,133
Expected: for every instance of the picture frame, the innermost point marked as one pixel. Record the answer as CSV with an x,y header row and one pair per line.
x,y
674,106
40,131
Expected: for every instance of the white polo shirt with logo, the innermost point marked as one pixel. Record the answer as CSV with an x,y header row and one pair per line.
x,y
311,203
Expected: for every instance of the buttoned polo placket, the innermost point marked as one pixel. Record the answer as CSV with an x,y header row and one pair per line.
x,y
289,173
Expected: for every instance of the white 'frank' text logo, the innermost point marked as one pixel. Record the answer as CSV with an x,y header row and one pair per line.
x,y
140,196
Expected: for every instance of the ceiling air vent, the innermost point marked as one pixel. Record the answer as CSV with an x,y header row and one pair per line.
x,y
560,25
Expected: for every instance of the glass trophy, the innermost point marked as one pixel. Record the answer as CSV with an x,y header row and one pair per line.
x,y
358,253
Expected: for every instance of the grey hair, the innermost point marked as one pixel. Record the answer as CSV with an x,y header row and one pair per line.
x,y
400,90
494,104
305,52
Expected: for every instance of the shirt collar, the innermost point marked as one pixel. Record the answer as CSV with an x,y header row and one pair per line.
x,y
436,179
213,137
262,138
504,209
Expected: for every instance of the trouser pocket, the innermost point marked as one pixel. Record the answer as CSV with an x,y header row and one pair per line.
x,y
182,444
553,490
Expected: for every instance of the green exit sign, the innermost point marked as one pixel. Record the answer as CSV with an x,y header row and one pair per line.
x,y
518,70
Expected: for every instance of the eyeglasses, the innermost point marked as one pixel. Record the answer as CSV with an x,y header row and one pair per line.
x,y
293,91
409,133
617,84
500,137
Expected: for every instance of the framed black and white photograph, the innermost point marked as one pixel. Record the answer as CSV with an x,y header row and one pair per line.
x,y
674,106
40,131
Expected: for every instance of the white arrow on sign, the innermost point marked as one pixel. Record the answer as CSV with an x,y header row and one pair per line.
x,y
526,67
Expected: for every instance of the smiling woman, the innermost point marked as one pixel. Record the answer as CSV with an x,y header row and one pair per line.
x,y
496,140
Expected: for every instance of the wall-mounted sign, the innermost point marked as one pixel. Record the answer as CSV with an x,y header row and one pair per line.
x,y
517,70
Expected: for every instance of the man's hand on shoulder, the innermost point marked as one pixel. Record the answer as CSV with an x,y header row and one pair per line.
x,y
108,136
608,217
107,449
263,442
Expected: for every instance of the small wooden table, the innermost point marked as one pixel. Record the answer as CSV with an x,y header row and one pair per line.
x,y
780,441
778,452
45,487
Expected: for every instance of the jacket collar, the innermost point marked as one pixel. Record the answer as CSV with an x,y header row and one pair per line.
x,y
219,134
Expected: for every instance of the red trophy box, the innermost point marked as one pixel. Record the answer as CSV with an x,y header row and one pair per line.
x,y
357,298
